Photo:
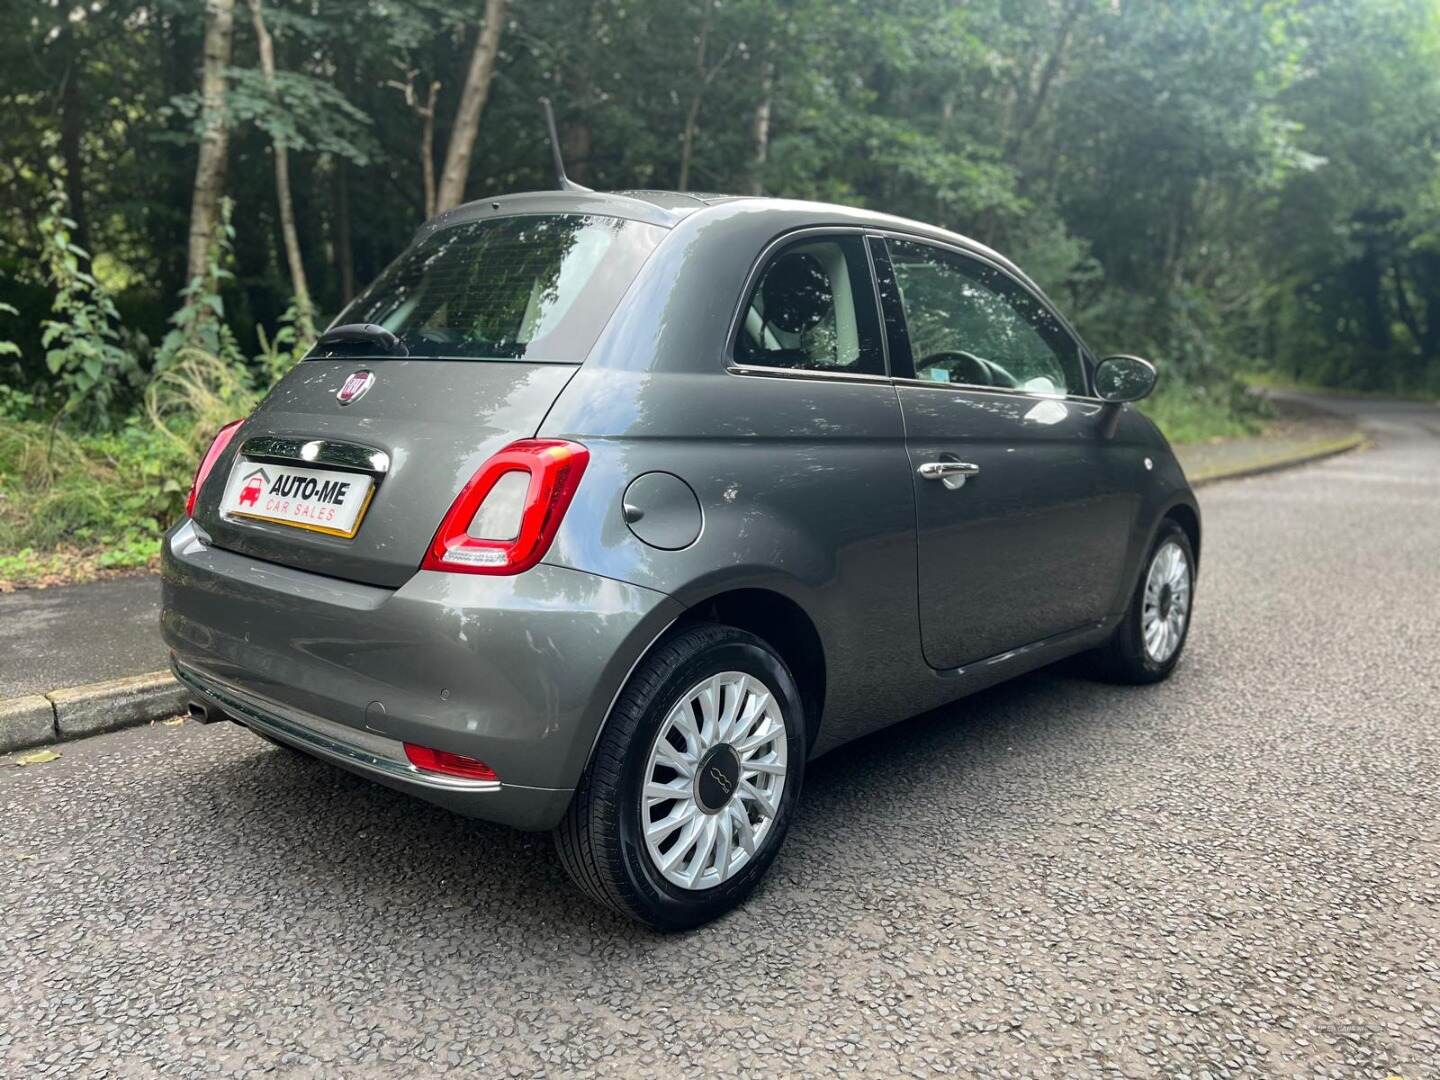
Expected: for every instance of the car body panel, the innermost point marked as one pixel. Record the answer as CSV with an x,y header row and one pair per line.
x,y
436,420
822,514
517,671
806,489
1032,546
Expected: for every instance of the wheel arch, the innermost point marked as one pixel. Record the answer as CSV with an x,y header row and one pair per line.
x,y
1188,518
783,624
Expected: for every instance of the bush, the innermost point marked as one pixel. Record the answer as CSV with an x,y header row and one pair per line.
x,y
100,501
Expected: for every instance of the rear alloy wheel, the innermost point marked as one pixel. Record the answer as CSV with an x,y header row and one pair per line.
x,y
693,783
715,775
1147,644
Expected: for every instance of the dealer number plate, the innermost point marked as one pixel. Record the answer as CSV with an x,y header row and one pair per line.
x,y
320,500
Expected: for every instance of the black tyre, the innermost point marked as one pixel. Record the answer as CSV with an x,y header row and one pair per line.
x,y
1147,644
693,783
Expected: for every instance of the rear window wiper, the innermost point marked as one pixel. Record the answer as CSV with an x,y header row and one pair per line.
x,y
371,334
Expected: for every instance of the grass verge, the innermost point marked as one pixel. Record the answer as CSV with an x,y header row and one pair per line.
x,y
1186,415
74,507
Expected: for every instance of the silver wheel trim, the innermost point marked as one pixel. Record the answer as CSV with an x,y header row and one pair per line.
x,y
693,848
1162,632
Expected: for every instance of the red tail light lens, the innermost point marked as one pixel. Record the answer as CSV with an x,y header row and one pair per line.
x,y
504,519
443,761
217,447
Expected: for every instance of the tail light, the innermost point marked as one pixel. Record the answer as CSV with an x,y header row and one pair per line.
x,y
443,761
504,519
217,447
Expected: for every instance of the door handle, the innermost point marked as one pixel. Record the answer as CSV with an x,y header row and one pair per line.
x,y
952,474
944,470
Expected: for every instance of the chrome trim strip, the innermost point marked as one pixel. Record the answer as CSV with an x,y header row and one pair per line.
x,y
330,452
363,750
1006,391
806,373
1022,652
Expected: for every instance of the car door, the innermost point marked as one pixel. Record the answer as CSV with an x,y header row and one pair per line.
x,y
1022,507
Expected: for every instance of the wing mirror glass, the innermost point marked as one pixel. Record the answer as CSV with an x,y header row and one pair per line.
x,y
1124,378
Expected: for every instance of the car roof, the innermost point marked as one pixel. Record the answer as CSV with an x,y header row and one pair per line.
x,y
668,208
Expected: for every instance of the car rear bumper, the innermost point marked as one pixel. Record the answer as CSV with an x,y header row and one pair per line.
x,y
518,672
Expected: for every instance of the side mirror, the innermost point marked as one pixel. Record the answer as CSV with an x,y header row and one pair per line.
x,y
1124,378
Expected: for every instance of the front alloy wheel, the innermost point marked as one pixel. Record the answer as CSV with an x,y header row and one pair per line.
x,y
1165,608
693,783
1146,646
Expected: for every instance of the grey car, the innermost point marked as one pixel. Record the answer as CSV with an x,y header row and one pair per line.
x,y
605,513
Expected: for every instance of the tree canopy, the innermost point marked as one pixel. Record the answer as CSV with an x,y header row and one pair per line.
x,y
1223,184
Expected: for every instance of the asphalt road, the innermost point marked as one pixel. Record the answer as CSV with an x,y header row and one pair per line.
x,y
76,634
1236,873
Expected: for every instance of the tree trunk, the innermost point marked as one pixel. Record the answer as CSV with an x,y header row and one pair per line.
x,y
344,257
304,309
704,76
760,130
1037,94
426,112
214,138
1402,302
1369,290
427,149
72,123
1430,334
687,143
472,104
692,115
176,58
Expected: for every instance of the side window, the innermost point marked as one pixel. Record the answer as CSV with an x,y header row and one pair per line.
x,y
813,308
970,323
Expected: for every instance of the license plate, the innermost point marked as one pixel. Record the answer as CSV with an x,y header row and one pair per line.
x,y
321,500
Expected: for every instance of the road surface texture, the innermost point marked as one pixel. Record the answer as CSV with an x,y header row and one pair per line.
x,y
74,634
1236,873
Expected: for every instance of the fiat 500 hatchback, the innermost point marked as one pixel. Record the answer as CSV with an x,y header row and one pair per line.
x,y
605,513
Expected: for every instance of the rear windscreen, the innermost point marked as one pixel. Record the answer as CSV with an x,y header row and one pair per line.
x,y
532,287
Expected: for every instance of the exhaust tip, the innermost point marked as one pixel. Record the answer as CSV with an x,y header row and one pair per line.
x,y
204,714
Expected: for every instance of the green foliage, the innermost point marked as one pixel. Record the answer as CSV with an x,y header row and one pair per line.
x,y
301,113
101,499
15,404
199,324
1190,414
82,339
199,393
9,348
282,352
1224,185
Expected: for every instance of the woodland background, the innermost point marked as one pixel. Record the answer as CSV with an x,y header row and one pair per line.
x,y
1244,190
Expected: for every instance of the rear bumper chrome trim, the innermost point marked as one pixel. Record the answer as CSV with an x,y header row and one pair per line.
x,y
329,452
365,751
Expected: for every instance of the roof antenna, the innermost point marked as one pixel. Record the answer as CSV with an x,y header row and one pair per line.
x,y
566,184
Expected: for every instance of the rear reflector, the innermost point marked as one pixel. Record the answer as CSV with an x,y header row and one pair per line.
x,y
217,447
512,534
448,764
